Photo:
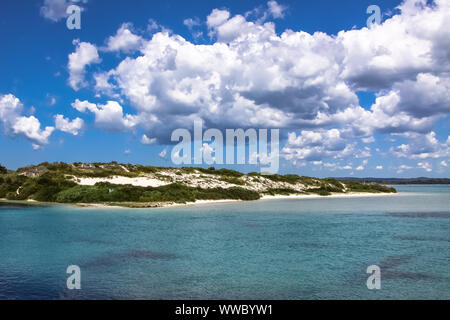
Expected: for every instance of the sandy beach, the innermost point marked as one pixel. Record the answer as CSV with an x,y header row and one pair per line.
x,y
209,202
264,198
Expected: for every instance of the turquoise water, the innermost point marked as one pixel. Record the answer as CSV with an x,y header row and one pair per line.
x,y
270,249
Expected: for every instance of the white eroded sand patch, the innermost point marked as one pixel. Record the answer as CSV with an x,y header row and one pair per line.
x,y
138,181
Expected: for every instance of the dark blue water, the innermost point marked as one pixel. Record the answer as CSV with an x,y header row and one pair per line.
x,y
270,249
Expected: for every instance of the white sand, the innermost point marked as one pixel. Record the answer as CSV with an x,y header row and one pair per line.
x,y
210,181
200,202
277,197
163,204
139,181
166,177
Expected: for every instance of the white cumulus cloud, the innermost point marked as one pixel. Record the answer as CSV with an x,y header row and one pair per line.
x,y
109,116
124,40
306,84
276,10
55,10
146,140
17,125
66,125
84,55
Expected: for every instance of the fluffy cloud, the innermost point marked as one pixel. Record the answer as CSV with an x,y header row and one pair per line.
x,y
146,140
74,127
399,49
316,145
55,10
335,166
191,23
30,127
103,86
109,116
163,153
17,125
177,81
427,95
124,40
403,167
217,17
276,10
84,55
304,83
425,166
193,26
422,146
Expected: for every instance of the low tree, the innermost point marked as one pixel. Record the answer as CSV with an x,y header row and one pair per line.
x,y
3,170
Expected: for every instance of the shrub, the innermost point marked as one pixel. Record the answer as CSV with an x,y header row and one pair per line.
x,y
221,172
49,185
281,191
308,181
105,192
320,192
189,170
354,186
233,180
289,178
148,169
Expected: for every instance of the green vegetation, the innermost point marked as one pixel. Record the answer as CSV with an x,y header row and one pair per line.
x,y
320,192
233,180
188,170
45,188
213,171
91,170
221,172
289,178
53,186
10,184
373,187
308,181
282,191
178,193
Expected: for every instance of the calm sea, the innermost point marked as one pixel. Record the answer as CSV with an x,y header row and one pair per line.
x,y
270,249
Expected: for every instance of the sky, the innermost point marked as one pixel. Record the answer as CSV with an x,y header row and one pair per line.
x,y
349,99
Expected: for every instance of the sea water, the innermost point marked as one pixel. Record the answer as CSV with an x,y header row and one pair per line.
x,y
267,249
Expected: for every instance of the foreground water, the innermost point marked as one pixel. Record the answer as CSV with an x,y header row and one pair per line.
x,y
270,249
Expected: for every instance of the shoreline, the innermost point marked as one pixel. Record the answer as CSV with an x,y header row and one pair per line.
x,y
333,195
163,205
203,202
228,201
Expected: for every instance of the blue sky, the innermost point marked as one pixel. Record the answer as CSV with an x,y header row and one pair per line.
x,y
349,101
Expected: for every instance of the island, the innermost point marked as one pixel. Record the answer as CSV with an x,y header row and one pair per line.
x,y
139,186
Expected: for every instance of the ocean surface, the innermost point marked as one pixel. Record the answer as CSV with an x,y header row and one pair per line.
x,y
269,249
